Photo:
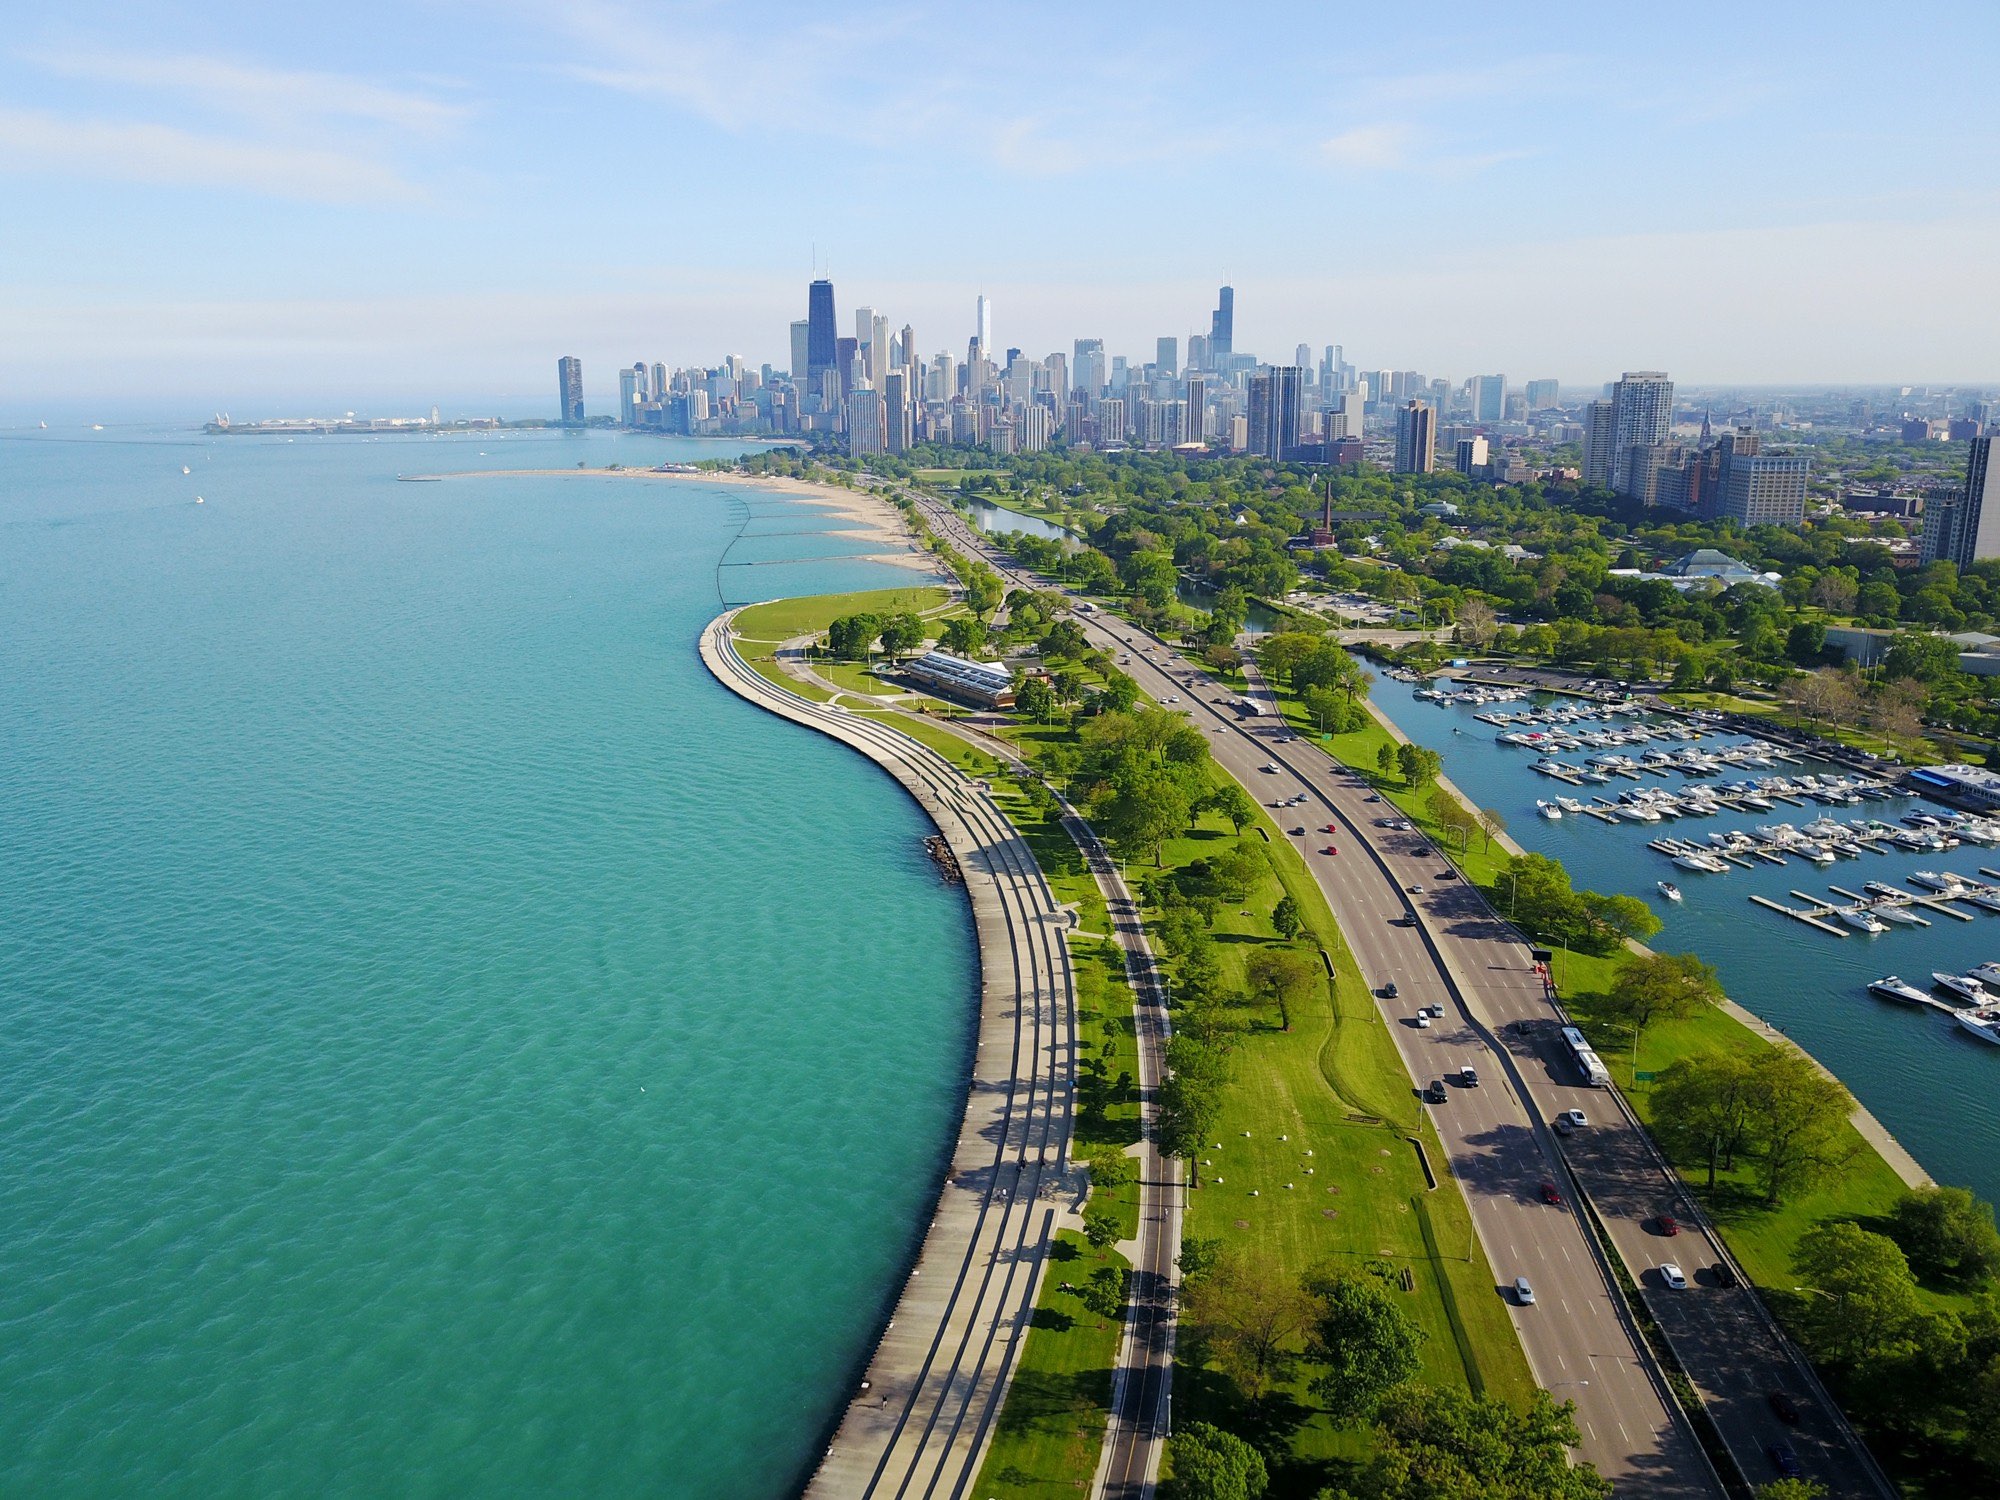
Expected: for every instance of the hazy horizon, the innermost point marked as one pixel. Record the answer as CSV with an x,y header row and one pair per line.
x,y
224,206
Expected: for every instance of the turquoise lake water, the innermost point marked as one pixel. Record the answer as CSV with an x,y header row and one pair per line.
x,y
1936,1088
452,1046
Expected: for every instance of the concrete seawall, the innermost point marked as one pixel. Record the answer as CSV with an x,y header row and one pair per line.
x,y
920,1416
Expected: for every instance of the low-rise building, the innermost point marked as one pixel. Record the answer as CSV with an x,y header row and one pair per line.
x,y
983,683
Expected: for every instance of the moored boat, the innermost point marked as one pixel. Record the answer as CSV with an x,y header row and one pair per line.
x,y
1861,919
1962,987
1889,987
1984,1024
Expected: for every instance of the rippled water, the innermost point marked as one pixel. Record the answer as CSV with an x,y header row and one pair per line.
x,y
1936,1088
451,1046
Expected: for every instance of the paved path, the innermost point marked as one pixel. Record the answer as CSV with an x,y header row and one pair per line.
x,y
922,1415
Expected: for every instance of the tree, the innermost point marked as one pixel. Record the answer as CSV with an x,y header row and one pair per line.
x,y
1420,766
1198,1258
1805,642
1927,658
1451,817
1798,1119
1286,920
1119,693
1835,592
1947,1234
1385,760
1626,918
1248,1316
1104,1293
1476,622
1791,1489
1100,1225
902,633
1035,698
1702,1109
1210,1464
1283,976
851,636
1145,812
1493,823
1653,986
1331,710
983,590
1230,802
1111,1170
1878,601
1825,696
1862,1304
1442,1443
1363,1340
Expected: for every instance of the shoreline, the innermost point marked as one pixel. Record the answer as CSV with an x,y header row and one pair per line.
x,y
929,1390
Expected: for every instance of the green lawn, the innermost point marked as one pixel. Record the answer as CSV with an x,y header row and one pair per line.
x,y
781,619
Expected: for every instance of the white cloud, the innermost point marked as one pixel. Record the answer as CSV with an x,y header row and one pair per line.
x,y
275,96
32,141
1371,148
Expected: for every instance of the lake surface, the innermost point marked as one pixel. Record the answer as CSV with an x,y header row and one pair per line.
x,y
998,520
453,1046
1935,1088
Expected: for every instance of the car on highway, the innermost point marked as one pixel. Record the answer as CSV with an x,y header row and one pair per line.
x,y
1784,1408
1329,849
1299,832
1435,1093
1389,991
1785,1461
1571,1119
1447,874
1421,1021
1435,1010
1326,828
1173,697
1372,797
1523,1293
1671,1274
1724,1277
1668,1225
1468,1077
1269,769
1550,1193
1414,890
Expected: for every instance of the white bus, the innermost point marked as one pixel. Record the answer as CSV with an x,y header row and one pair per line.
x,y
1587,1061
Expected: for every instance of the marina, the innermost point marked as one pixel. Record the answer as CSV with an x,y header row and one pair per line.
x,y
1929,1084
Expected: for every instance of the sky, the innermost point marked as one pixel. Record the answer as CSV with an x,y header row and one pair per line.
x,y
275,209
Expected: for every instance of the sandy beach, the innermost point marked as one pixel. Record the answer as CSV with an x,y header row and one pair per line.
x,y
859,513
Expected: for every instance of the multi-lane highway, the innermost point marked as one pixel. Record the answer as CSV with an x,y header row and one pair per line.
x,y
1410,920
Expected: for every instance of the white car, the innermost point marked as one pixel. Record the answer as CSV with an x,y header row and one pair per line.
x,y
1270,769
1173,697
1671,1275
1573,1118
1423,1021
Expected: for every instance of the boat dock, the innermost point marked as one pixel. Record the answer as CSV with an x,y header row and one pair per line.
x,y
1816,910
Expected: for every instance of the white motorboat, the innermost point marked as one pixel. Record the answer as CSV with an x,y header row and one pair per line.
x,y
1707,864
1986,899
1883,888
1550,811
1671,891
1984,1024
1930,880
1889,987
1985,973
1895,911
1962,987
1861,919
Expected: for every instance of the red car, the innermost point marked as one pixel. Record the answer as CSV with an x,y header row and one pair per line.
x,y
1326,828
1329,849
1549,1193
1669,1225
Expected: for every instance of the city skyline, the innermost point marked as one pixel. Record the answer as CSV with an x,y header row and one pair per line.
x,y
217,202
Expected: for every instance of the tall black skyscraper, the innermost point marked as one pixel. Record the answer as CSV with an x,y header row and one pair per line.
x,y
569,385
1222,326
821,353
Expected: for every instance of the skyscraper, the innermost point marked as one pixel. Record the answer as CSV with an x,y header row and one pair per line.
x,y
1489,398
1763,489
1222,326
896,400
983,315
1642,416
631,392
821,337
1196,421
1273,410
1416,438
1089,373
1542,394
569,385
801,351
1977,532
1471,454
1597,444
1167,356
866,428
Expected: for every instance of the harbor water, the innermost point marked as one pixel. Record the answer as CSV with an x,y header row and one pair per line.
x,y
1936,1088
453,1046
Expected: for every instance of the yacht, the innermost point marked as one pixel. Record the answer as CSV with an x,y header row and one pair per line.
x,y
1930,880
1987,899
1895,911
1862,919
1671,891
1550,811
1985,973
1707,864
1962,987
1984,1024
1891,988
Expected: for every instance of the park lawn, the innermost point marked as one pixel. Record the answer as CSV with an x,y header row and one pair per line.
x,y
858,678
781,619
1051,1429
952,476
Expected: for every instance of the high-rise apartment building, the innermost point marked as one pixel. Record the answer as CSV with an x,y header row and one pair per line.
x,y
1542,394
867,429
1967,527
1471,454
896,433
1090,373
1111,420
1598,432
822,338
801,351
1764,489
1196,420
1222,326
1416,438
1642,416
631,395
569,388
1273,410
1167,356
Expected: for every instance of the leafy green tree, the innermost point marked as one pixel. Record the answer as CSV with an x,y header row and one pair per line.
x,y
1210,1464
1805,642
1111,1170
1150,808
983,590
1441,1443
1248,1316
1198,1257
1861,1302
1791,1489
1386,762
1230,802
1648,987
1420,766
1283,976
1798,1123
1624,917
1286,920
1331,710
850,637
1927,658
902,633
1878,601
1104,1292
1035,698
1364,1343
964,635
1702,1109
1120,692
1100,1225
1947,1234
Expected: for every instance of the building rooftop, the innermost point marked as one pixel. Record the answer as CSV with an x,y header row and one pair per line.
x,y
986,676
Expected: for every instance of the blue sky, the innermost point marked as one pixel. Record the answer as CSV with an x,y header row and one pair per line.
x,y
247,206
